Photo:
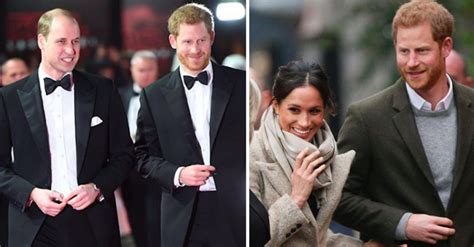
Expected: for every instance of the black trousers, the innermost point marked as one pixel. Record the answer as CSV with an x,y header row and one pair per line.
x,y
205,229
70,228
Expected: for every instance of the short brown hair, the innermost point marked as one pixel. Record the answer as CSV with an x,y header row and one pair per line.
x,y
44,22
190,13
418,11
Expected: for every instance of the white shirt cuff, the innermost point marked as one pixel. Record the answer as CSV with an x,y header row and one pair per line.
x,y
400,231
176,182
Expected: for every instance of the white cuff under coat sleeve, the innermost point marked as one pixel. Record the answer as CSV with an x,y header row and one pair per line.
x,y
400,231
176,182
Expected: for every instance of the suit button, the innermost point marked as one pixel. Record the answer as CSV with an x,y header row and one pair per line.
x,y
288,235
298,225
293,230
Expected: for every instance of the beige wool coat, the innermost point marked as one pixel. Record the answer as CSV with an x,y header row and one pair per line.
x,y
290,225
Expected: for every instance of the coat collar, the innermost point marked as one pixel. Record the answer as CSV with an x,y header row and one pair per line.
x,y
32,104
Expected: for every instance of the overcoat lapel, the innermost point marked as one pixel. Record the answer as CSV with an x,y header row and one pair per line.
x,y
84,100
404,121
465,118
221,91
173,91
30,98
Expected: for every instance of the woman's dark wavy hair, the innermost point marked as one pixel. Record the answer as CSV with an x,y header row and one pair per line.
x,y
298,74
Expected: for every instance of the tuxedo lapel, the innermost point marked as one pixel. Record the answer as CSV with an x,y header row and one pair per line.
x,y
465,118
221,91
405,123
84,100
173,91
30,98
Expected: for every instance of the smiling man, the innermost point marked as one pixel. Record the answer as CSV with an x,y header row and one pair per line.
x,y
411,179
71,147
191,138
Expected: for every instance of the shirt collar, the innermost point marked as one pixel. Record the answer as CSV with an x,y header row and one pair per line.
x,y
208,69
421,104
136,88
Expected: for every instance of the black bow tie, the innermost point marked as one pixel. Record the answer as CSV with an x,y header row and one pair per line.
x,y
202,78
50,85
135,93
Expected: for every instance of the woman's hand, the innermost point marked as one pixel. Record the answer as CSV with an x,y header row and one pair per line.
x,y
307,168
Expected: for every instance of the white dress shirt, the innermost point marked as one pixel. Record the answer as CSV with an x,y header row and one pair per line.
x,y
132,114
60,123
421,104
199,103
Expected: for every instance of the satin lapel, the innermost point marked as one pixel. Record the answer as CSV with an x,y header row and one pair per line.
x,y
221,90
465,118
30,98
84,100
173,91
405,123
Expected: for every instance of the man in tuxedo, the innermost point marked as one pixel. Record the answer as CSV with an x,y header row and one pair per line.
x,y
71,147
142,197
412,177
191,139
13,70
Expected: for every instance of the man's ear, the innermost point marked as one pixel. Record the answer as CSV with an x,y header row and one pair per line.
x,y
446,46
41,41
213,35
172,40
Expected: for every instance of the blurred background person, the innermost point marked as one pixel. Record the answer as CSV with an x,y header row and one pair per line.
x,y
456,68
144,70
13,70
236,61
265,96
141,197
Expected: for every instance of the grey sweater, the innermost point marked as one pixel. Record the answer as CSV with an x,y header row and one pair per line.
x,y
438,133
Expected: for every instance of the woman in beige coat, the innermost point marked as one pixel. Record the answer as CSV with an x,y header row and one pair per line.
x,y
295,169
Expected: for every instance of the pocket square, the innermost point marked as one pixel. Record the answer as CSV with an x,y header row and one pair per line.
x,y
95,121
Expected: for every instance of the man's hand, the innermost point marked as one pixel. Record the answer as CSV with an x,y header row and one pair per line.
x,y
428,229
49,202
81,197
195,175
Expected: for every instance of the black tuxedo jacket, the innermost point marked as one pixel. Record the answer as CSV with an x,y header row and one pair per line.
x,y
166,141
142,197
104,153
